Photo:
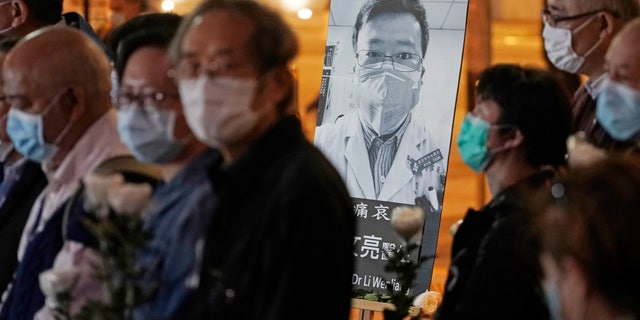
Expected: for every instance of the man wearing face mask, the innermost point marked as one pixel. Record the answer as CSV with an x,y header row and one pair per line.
x,y
20,184
576,36
60,116
618,107
515,136
383,150
281,209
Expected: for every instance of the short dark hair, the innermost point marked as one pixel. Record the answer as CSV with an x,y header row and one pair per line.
x,y
272,44
373,8
155,30
47,12
164,23
533,101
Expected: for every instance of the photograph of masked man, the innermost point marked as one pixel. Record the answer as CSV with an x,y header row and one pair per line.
x,y
384,150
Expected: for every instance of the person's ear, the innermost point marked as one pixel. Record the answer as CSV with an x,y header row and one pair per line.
x,y
607,24
279,85
515,138
74,100
19,13
422,72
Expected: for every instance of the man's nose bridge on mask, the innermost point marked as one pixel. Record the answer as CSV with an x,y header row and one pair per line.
x,y
388,62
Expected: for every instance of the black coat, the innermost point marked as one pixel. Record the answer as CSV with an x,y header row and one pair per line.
x,y
280,245
14,213
495,271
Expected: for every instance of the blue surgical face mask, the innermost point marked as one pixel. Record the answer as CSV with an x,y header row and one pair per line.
x,y
27,133
552,299
149,133
618,111
472,143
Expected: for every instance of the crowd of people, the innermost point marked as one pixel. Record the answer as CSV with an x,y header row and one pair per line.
x,y
246,219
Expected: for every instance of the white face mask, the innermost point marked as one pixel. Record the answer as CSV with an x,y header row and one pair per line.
x,y
220,110
557,44
149,133
385,97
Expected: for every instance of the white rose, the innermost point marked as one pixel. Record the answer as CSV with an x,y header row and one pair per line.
x,y
454,227
97,188
407,221
581,153
130,198
54,282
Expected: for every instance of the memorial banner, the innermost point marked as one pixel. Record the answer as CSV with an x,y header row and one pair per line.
x,y
385,118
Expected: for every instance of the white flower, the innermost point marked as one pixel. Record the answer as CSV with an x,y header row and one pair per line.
x,y
580,152
428,302
97,187
454,227
55,282
407,221
130,198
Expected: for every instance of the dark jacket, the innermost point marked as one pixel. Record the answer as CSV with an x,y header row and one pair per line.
x,y
14,213
281,238
494,271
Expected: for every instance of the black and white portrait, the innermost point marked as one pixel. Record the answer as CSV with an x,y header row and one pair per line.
x,y
389,89
386,109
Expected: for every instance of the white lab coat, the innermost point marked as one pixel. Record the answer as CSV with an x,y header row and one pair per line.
x,y
343,143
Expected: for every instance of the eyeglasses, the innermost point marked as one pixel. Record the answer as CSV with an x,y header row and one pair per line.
x,y
17,101
145,100
186,69
403,61
553,20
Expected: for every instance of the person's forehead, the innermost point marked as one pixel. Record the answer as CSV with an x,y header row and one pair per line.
x,y
565,7
147,65
14,76
487,109
624,49
218,31
398,28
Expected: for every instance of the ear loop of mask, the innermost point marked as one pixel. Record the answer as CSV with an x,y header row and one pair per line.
x,y
67,127
503,147
582,26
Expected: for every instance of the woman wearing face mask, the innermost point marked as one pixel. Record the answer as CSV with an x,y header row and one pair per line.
x,y
152,125
516,136
589,240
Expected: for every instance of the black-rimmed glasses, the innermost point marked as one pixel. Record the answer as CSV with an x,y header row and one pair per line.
x,y
403,61
552,20
146,100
